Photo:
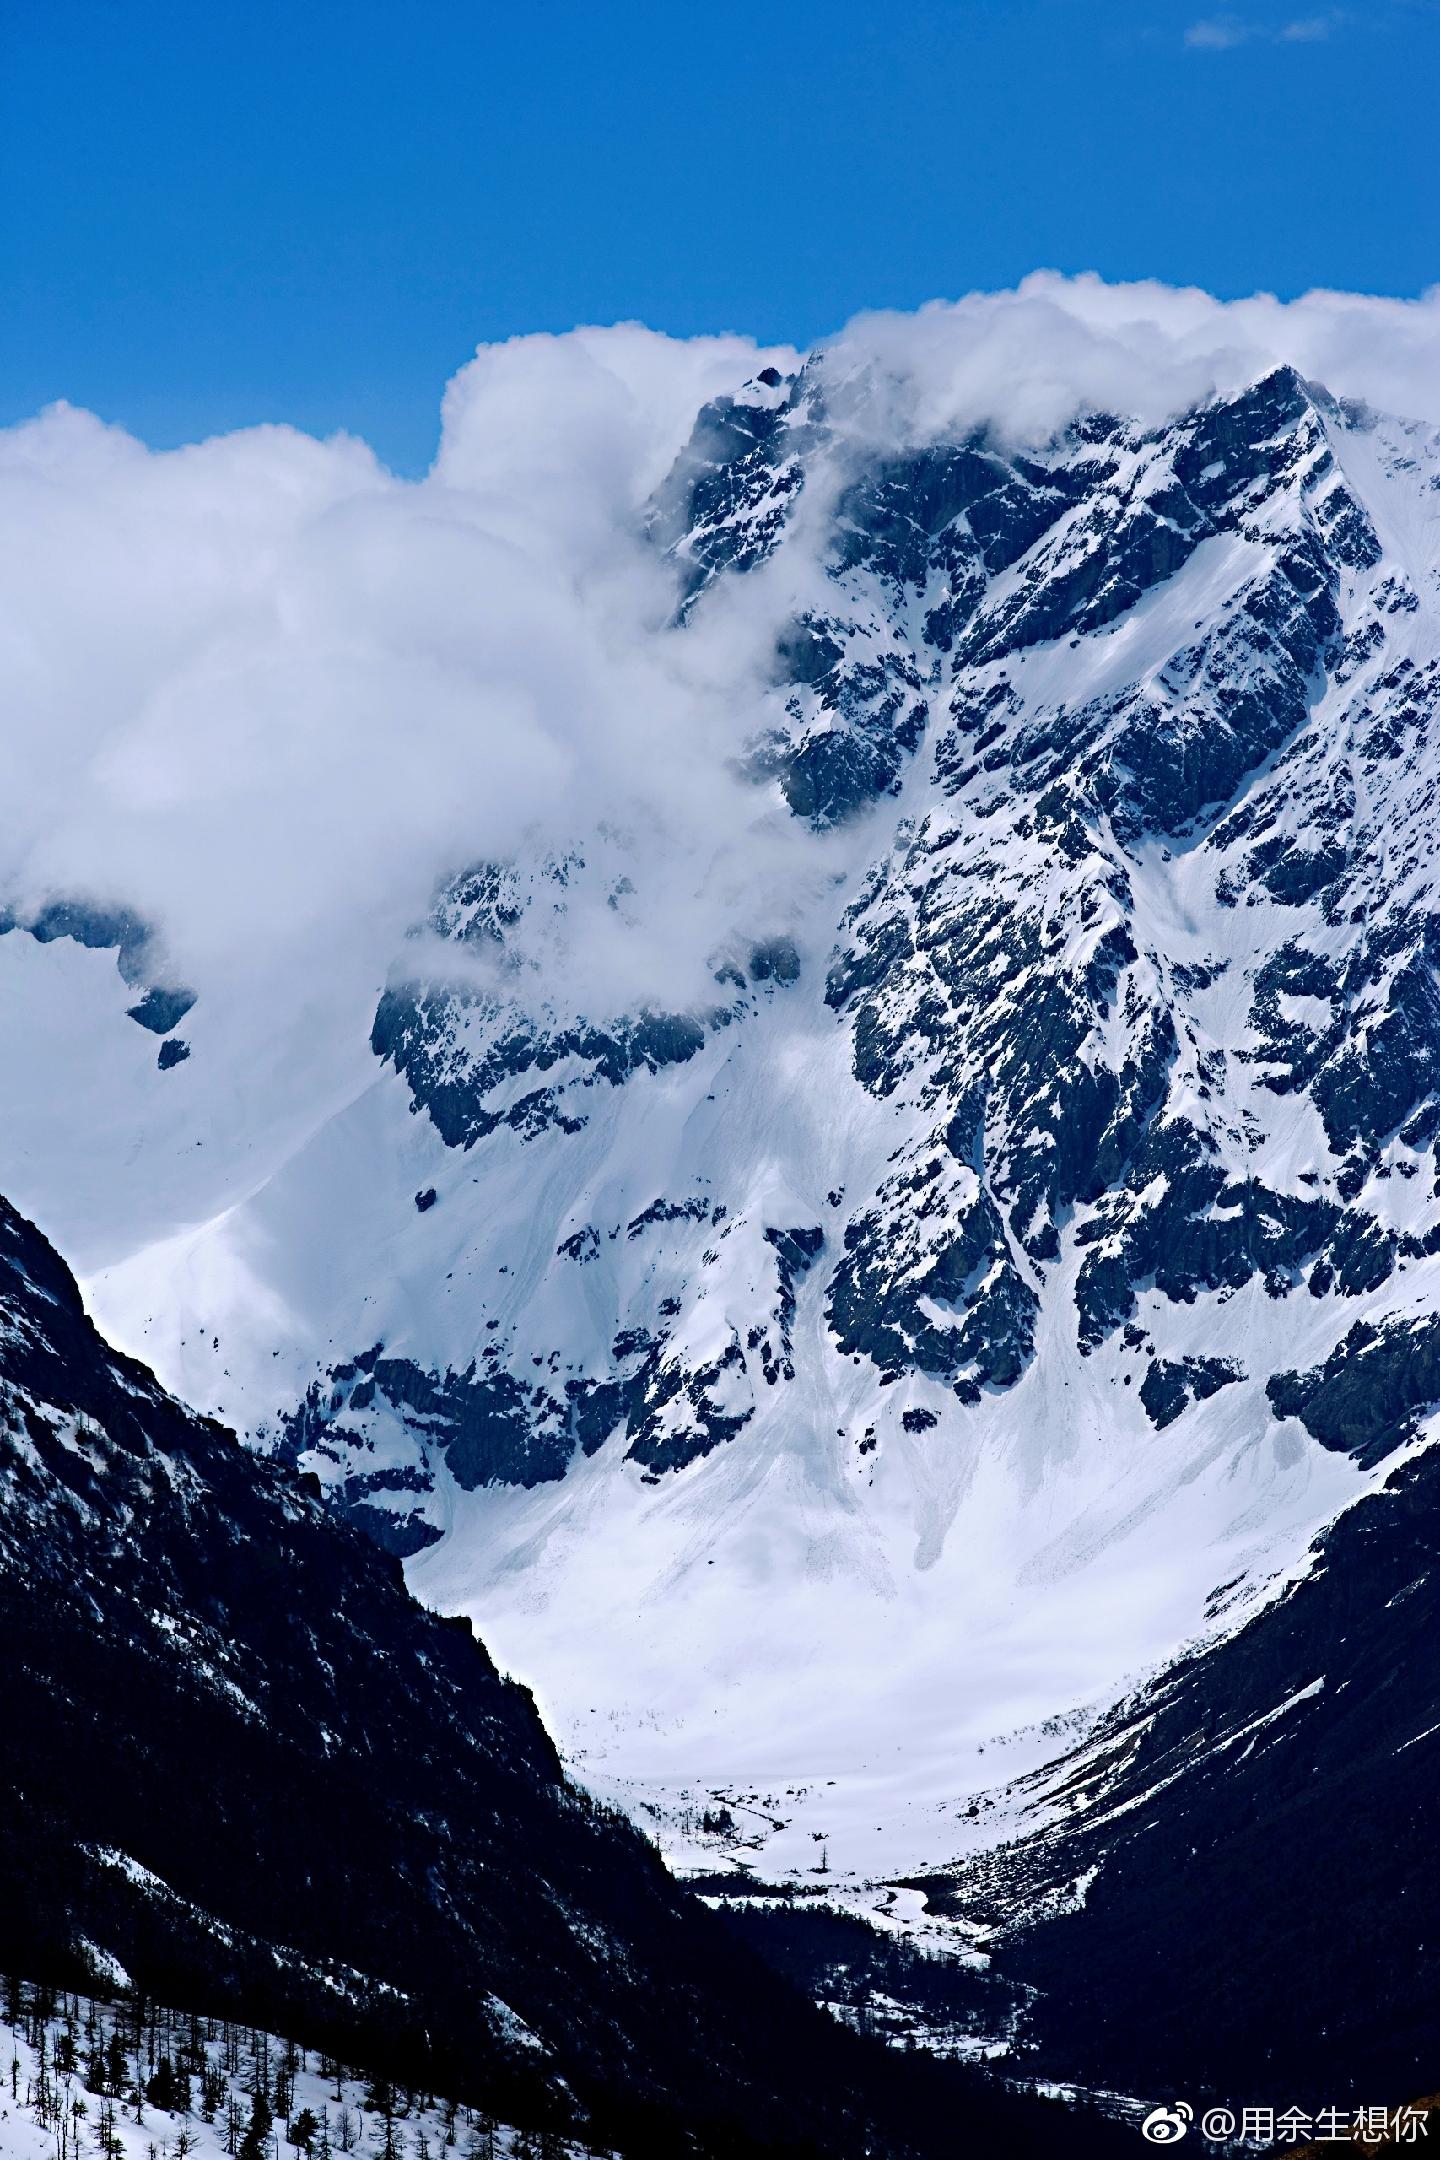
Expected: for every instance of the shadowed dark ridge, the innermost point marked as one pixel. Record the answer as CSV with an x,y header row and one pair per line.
x,y
1257,1833
243,1763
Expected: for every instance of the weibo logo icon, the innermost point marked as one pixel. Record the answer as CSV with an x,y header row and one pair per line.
x,y
1166,2126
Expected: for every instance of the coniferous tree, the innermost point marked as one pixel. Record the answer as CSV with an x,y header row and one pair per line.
x,y
379,2097
484,2143
40,2042
234,2123
254,2145
108,2139
302,2131
384,2105
163,2089
116,2066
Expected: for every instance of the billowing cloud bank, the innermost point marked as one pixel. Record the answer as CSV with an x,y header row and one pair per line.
x,y
264,693
1026,362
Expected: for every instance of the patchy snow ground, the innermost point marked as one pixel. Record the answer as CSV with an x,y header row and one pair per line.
x,y
50,2114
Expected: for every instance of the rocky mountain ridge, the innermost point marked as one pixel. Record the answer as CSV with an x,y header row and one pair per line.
x,y
1010,973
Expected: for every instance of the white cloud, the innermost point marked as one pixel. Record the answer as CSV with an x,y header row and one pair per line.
x,y
1025,362
1222,33
265,694
1218,34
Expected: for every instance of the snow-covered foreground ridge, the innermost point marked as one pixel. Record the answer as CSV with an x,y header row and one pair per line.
x,y
129,2080
812,1074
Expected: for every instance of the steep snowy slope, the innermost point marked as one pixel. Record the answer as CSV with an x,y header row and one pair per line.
x,y
824,1376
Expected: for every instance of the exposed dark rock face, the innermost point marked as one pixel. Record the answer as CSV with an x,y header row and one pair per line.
x,y
855,717
244,1763
410,1032
162,1010
478,1060
796,1252
1365,1398
161,1006
729,497
954,1256
488,1428
1169,1388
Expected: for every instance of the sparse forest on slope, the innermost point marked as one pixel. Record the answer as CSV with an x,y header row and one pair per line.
x,y
89,2078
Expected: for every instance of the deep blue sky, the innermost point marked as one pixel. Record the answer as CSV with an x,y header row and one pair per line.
x,y
218,211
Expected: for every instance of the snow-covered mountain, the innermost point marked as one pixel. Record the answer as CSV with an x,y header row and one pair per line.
x,y
1023,1240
